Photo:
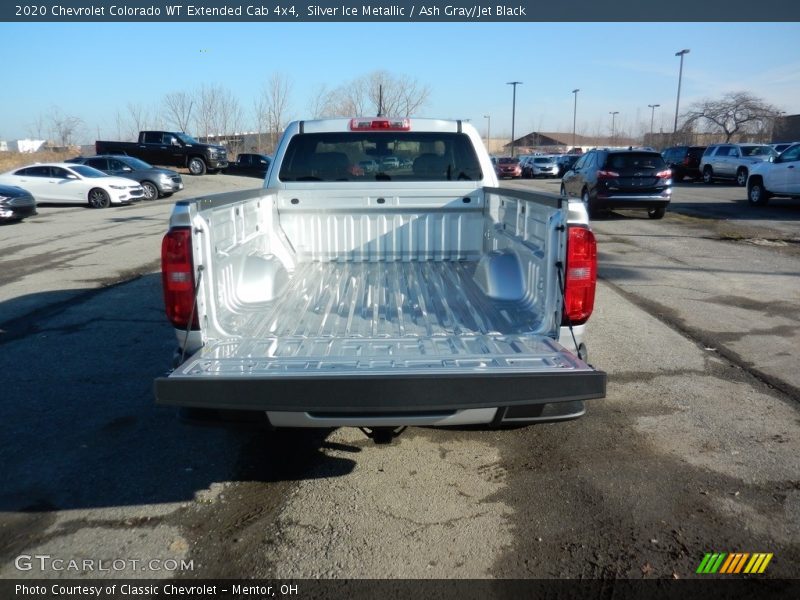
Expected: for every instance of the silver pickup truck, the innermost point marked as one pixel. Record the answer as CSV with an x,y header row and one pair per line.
x,y
417,293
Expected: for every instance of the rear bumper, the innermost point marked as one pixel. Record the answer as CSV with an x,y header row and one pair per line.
x,y
380,396
632,200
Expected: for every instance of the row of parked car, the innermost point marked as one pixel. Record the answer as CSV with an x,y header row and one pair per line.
x,y
530,166
98,181
766,170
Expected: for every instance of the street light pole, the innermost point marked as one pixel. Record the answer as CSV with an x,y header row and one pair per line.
x,y
652,116
682,53
574,114
513,111
613,114
488,133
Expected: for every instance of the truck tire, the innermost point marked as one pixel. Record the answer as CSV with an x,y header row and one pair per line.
x,y
197,166
150,190
587,202
741,177
99,198
657,212
708,175
757,195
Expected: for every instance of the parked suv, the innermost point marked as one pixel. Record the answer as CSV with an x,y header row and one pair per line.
x,y
684,161
620,179
778,177
733,161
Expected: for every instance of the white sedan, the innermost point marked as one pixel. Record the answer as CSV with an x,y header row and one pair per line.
x,y
74,184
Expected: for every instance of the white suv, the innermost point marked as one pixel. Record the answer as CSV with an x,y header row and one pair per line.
x,y
778,177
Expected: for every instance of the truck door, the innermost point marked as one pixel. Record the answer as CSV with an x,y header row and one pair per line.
x,y
784,176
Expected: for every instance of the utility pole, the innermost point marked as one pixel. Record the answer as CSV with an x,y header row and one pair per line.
x,y
488,133
613,114
513,111
574,114
681,53
652,116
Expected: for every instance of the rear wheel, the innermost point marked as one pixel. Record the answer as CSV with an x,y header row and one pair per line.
x,y
587,202
741,177
99,198
708,175
756,194
197,166
150,190
657,212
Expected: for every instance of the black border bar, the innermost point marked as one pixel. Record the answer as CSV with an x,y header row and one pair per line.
x,y
408,11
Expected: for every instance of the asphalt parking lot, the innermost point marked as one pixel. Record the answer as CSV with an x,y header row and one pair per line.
x,y
694,450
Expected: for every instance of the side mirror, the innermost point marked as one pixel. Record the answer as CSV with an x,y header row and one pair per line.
x,y
127,169
773,159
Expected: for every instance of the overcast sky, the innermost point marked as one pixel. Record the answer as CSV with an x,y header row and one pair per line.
x,y
94,70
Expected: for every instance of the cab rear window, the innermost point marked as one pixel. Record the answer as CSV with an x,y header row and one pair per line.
x,y
362,156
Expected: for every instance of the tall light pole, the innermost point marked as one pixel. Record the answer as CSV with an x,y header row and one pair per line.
x,y
513,111
652,116
488,133
613,114
680,76
574,114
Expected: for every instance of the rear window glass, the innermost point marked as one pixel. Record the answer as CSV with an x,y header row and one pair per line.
x,y
635,160
383,156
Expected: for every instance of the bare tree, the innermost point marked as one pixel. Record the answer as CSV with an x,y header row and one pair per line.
x,y
36,129
178,109
378,92
138,119
272,106
734,113
208,99
64,128
321,102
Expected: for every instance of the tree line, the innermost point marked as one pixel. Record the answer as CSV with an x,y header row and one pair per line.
x,y
214,110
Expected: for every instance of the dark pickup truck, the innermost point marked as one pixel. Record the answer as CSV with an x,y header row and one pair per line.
x,y
172,149
249,165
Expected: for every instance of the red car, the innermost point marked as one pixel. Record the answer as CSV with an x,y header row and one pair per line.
x,y
508,167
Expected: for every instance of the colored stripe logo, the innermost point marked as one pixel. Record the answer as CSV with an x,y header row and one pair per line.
x,y
734,563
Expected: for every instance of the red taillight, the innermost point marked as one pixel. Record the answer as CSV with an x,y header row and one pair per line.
x,y
666,174
380,124
581,275
177,276
607,174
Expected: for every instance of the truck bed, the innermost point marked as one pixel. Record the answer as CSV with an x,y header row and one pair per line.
x,y
358,323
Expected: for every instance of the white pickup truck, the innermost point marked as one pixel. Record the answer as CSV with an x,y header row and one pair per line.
x,y
417,293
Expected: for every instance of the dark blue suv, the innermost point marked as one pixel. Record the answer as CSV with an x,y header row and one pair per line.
x,y
610,178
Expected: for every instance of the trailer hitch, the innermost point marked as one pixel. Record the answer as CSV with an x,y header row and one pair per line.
x,y
382,435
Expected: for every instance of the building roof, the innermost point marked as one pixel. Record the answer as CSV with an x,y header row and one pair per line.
x,y
552,138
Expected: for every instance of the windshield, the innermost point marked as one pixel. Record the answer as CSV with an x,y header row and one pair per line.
x,y
135,163
85,171
544,161
757,151
186,139
507,161
382,156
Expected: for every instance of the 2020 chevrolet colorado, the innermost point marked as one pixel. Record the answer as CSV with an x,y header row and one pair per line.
x,y
421,294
